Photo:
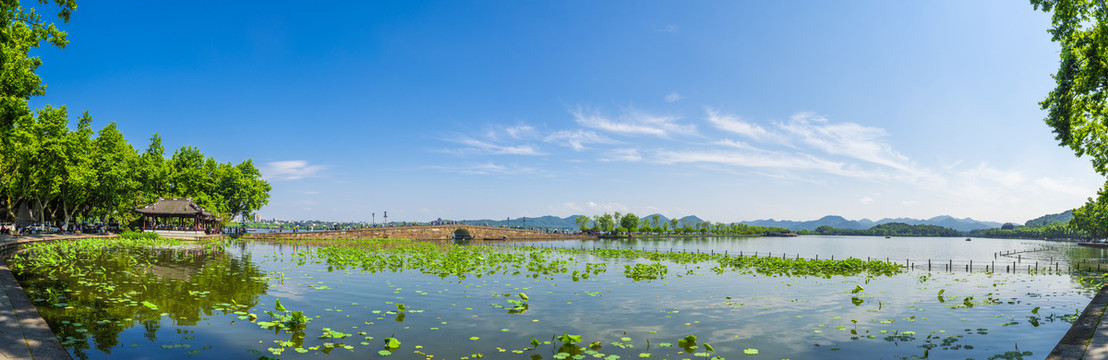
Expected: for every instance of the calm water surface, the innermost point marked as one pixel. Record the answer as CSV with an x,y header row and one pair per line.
x,y
200,301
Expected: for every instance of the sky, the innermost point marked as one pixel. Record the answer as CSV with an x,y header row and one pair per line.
x,y
728,110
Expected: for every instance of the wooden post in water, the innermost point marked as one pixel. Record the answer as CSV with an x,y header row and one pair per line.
x,y
928,264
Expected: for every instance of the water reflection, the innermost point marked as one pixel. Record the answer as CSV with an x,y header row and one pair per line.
x,y
113,291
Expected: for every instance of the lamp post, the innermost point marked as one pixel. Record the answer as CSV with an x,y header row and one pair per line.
x,y
386,218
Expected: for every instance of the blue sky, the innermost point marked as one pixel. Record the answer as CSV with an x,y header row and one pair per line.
x,y
723,109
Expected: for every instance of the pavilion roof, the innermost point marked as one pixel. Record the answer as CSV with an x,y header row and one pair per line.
x,y
174,207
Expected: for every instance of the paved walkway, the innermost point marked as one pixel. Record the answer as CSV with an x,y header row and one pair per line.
x,y
23,332
1088,337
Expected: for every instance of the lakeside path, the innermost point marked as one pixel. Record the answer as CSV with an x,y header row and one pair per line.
x,y
23,332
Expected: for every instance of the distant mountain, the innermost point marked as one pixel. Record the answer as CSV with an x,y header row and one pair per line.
x,y
1050,219
839,222
569,222
546,222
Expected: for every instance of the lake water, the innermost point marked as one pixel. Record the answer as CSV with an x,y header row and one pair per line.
x,y
190,303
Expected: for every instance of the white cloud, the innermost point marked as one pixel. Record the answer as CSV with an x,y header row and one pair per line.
x,y
732,123
631,155
774,160
736,144
520,131
866,200
577,139
290,170
634,123
488,168
910,202
478,145
607,207
673,97
1064,187
845,139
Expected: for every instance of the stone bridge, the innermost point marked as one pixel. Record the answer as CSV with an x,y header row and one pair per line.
x,y
426,232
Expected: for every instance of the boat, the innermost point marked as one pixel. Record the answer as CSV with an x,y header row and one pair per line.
x,y
968,239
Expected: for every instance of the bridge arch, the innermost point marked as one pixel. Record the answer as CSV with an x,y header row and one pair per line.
x,y
461,233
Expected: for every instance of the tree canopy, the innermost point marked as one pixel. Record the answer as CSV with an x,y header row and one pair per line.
x,y
1077,108
59,173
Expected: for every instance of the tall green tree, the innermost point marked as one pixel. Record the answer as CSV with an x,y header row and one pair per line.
x,y
629,221
114,162
77,189
23,30
606,222
582,222
1077,108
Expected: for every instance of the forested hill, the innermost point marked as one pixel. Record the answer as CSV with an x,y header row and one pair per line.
x,y
1050,219
839,222
887,229
569,222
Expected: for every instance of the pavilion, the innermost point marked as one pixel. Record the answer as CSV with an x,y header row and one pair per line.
x,y
178,217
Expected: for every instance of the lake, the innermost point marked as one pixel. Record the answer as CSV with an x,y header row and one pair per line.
x,y
185,302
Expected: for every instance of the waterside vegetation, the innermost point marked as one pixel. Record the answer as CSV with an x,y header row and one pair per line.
x,y
52,172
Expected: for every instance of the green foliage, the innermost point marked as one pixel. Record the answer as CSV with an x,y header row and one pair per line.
x,y
1062,217
629,221
887,229
138,235
1046,231
1076,109
70,174
285,319
1093,217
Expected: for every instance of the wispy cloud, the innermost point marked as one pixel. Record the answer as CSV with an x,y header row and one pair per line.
x,y
736,144
577,139
673,97
731,123
607,207
489,148
520,131
1063,186
630,155
776,160
487,168
635,122
845,139
290,170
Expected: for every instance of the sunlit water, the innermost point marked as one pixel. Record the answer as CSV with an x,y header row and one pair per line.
x,y
194,296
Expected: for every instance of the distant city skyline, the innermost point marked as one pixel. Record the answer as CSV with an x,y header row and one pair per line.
x,y
724,110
